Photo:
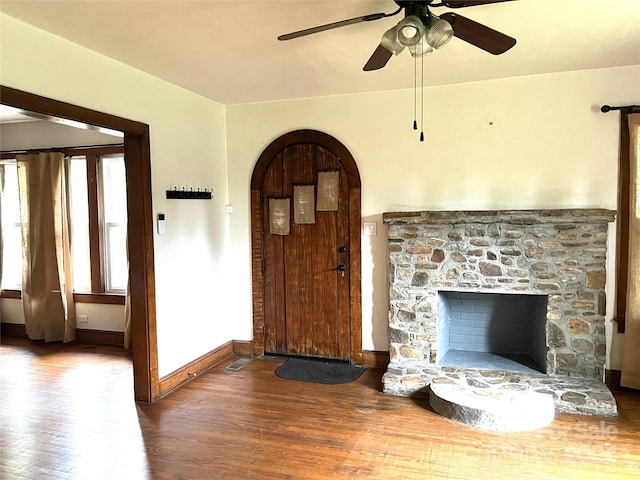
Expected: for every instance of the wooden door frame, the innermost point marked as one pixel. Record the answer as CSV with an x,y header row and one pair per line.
x,y
140,227
355,249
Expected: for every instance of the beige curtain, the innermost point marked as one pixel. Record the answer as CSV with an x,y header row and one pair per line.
x,y
631,347
47,284
1,244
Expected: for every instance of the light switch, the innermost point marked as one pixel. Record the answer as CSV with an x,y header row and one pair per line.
x,y
370,229
161,224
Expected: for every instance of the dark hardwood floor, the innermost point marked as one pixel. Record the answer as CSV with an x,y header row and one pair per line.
x,y
67,411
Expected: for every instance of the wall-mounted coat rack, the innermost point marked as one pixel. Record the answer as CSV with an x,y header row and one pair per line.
x,y
191,193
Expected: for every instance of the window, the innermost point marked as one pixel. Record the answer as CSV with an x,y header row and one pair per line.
x,y
11,234
79,200
114,202
98,203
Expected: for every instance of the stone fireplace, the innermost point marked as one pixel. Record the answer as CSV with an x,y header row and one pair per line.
x,y
523,288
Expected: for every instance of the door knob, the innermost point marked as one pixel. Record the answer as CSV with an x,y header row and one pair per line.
x,y
342,268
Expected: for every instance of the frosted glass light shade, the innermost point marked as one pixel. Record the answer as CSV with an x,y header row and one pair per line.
x,y
410,30
439,32
390,41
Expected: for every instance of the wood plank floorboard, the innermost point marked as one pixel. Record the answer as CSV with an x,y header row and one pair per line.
x,y
67,412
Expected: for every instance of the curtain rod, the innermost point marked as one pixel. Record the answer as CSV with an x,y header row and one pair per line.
x,y
61,149
625,109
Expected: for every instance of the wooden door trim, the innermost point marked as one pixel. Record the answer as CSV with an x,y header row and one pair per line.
x,y
257,266
140,227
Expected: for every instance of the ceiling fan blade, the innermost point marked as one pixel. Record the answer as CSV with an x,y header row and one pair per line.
x,y
329,26
469,3
378,59
481,36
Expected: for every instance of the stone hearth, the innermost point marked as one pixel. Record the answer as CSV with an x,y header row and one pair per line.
x,y
497,410
560,254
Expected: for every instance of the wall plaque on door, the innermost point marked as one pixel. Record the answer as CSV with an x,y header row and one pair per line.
x,y
328,191
279,214
303,204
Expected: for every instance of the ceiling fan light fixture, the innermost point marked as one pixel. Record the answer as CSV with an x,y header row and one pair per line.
x,y
438,33
410,30
420,49
390,41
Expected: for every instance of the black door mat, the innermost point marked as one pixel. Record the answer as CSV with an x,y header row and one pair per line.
x,y
318,371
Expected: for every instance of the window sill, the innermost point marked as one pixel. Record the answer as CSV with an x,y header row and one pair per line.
x,y
11,294
100,298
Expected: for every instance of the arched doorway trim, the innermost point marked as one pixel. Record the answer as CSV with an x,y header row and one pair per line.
x,y
328,142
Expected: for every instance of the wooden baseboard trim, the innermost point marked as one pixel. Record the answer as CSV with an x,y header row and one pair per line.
x,y
612,378
375,358
192,369
93,337
13,330
243,348
100,337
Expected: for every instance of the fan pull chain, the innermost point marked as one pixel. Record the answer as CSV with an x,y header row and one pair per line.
x,y
422,96
415,82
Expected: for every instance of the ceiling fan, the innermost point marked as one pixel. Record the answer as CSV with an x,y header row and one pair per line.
x,y
420,31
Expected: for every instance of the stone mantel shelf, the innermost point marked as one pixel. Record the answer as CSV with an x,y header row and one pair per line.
x,y
512,217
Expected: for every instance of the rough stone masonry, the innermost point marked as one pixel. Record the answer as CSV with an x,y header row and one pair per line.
x,y
560,253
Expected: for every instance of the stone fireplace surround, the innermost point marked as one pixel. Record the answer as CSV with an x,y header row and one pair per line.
x,y
560,253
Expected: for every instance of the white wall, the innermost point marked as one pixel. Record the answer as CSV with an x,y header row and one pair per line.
x,y
11,311
529,142
187,135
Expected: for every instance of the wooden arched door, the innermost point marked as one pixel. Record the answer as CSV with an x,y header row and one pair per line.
x,y
306,262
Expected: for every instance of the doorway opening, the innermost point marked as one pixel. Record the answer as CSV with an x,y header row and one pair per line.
x,y
140,227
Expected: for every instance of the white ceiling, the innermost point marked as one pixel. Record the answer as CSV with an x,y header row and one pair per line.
x,y
13,115
228,50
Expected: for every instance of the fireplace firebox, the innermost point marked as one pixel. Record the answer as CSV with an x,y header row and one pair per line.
x,y
492,331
